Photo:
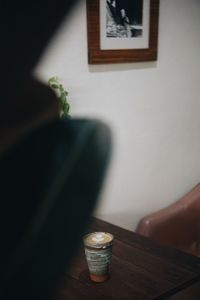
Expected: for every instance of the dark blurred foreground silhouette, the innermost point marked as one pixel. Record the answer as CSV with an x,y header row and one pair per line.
x,y
51,170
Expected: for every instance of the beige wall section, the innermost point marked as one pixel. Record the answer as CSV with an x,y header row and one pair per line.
x,y
152,108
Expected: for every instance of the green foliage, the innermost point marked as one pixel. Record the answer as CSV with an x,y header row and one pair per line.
x,y
61,94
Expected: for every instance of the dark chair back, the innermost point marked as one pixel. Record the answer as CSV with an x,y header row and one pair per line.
x,y
50,181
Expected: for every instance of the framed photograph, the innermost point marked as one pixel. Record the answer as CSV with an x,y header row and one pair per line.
x,y
122,30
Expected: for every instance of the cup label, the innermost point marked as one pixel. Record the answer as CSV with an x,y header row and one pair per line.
x,y
98,260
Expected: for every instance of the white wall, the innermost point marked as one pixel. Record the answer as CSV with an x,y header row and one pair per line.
x,y
152,108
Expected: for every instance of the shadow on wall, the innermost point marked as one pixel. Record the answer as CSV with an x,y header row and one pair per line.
x,y
123,219
122,67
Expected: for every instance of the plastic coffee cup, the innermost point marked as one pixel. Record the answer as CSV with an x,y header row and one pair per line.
x,y
98,251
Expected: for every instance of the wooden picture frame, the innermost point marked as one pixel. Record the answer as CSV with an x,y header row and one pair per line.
x,y
97,55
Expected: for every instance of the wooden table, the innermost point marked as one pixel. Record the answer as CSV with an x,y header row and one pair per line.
x,y
141,270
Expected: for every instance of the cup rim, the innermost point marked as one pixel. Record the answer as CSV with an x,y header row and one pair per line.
x,y
98,244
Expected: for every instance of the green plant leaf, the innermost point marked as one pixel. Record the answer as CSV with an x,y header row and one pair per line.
x,y
61,94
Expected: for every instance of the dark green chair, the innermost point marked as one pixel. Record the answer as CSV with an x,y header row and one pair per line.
x,y
50,182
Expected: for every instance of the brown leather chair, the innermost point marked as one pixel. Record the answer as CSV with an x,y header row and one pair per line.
x,y
177,225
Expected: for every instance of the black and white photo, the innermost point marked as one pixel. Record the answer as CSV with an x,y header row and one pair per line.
x,y
124,18
124,24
